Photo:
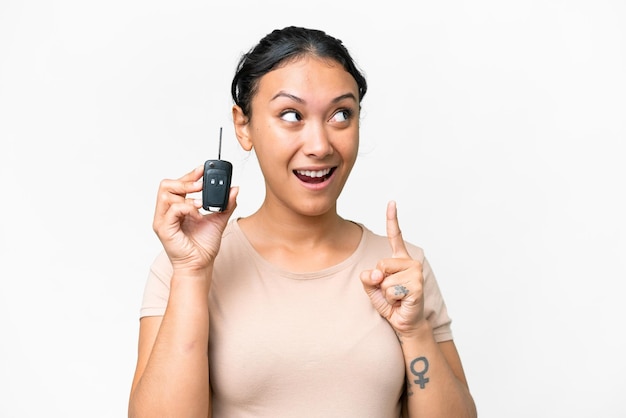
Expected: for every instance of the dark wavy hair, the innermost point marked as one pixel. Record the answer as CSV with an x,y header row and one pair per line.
x,y
282,46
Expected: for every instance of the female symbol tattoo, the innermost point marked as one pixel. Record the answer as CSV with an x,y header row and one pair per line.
x,y
401,290
421,380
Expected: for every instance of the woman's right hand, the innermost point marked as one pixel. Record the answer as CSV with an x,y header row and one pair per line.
x,y
190,239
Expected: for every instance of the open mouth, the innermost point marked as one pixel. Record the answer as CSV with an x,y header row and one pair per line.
x,y
314,176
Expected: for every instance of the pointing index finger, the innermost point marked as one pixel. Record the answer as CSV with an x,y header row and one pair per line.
x,y
394,234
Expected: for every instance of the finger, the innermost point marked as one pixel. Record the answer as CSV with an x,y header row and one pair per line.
x,y
194,174
165,207
395,266
182,187
189,183
166,198
171,221
396,293
175,191
232,199
398,248
400,272
179,211
371,279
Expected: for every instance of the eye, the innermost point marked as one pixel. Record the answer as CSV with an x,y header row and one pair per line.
x,y
341,116
290,116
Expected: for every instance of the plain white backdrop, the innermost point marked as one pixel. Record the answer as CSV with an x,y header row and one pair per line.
x,y
498,126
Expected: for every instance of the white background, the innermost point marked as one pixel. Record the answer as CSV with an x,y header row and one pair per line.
x,y
498,126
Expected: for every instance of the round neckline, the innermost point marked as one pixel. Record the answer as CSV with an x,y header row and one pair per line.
x,y
312,275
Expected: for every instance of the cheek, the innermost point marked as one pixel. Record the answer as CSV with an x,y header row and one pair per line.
x,y
349,148
273,157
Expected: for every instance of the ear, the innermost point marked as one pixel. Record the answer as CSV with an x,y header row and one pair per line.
x,y
242,128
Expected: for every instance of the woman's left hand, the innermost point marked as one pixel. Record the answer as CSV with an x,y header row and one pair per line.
x,y
396,285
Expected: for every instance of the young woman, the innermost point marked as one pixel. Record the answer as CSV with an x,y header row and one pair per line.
x,y
292,311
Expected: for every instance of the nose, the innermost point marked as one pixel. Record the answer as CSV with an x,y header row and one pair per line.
x,y
316,141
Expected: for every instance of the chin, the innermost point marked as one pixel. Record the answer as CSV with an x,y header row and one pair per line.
x,y
313,209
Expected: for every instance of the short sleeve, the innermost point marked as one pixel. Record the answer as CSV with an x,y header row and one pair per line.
x,y
434,305
157,289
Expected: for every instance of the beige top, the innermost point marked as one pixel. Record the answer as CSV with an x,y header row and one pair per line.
x,y
286,344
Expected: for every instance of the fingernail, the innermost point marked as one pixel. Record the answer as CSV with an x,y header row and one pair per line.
x,y
377,276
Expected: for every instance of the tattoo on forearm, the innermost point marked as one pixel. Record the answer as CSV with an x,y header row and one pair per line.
x,y
421,375
400,290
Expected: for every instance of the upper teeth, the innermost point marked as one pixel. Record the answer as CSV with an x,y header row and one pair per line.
x,y
309,173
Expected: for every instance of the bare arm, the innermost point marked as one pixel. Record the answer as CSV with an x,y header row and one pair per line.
x,y
436,384
172,373
171,378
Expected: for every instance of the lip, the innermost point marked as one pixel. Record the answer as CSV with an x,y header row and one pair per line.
x,y
316,185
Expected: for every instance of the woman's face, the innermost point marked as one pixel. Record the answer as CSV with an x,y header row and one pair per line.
x,y
305,131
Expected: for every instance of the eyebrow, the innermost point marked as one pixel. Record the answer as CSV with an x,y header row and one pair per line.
x,y
300,100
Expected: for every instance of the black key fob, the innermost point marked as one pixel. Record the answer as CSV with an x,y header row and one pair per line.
x,y
216,185
216,182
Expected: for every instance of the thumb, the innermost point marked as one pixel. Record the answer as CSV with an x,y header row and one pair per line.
x,y
371,280
398,248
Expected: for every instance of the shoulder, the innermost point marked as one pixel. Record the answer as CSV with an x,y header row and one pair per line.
x,y
380,244
233,241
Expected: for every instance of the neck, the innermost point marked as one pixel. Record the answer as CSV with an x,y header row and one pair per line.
x,y
298,242
281,225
